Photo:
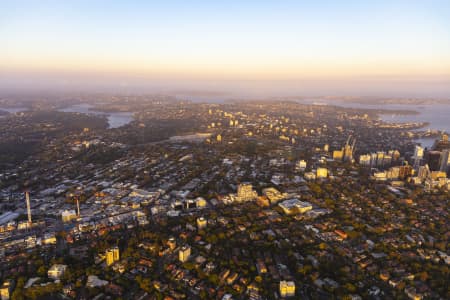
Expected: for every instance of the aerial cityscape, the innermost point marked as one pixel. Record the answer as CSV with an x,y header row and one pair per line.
x,y
198,151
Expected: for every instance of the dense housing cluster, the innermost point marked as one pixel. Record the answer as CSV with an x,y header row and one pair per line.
x,y
239,200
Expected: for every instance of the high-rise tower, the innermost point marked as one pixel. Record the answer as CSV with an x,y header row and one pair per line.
x,y
418,157
444,161
349,149
27,198
112,255
78,207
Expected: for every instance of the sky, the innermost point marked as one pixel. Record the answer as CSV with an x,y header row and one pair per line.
x,y
384,47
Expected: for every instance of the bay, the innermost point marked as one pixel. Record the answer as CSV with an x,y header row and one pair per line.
x,y
115,119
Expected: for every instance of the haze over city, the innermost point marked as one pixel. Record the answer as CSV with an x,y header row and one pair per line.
x,y
224,150
251,48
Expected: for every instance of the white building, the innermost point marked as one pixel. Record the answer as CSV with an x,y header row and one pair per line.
x,y
295,206
68,215
49,238
94,281
301,165
287,288
418,152
56,271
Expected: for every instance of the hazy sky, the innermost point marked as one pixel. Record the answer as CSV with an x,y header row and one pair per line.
x,y
312,47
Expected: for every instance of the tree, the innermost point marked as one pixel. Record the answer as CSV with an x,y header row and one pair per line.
x,y
322,246
350,287
18,292
214,279
42,271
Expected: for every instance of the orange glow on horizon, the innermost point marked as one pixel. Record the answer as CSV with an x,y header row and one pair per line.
x,y
240,70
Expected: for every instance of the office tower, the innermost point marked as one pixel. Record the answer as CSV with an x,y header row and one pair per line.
x,y
424,172
346,153
245,192
116,253
433,158
393,173
349,149
365,160
322,173
387,160
287,288
405,171
418,152
444,161
338,155
442,144
373,159
380,159
201,223
184,253
109,257
418,157
112,255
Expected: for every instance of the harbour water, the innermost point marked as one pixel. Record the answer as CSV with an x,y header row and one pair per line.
x,y
436,115
13,110
115,119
